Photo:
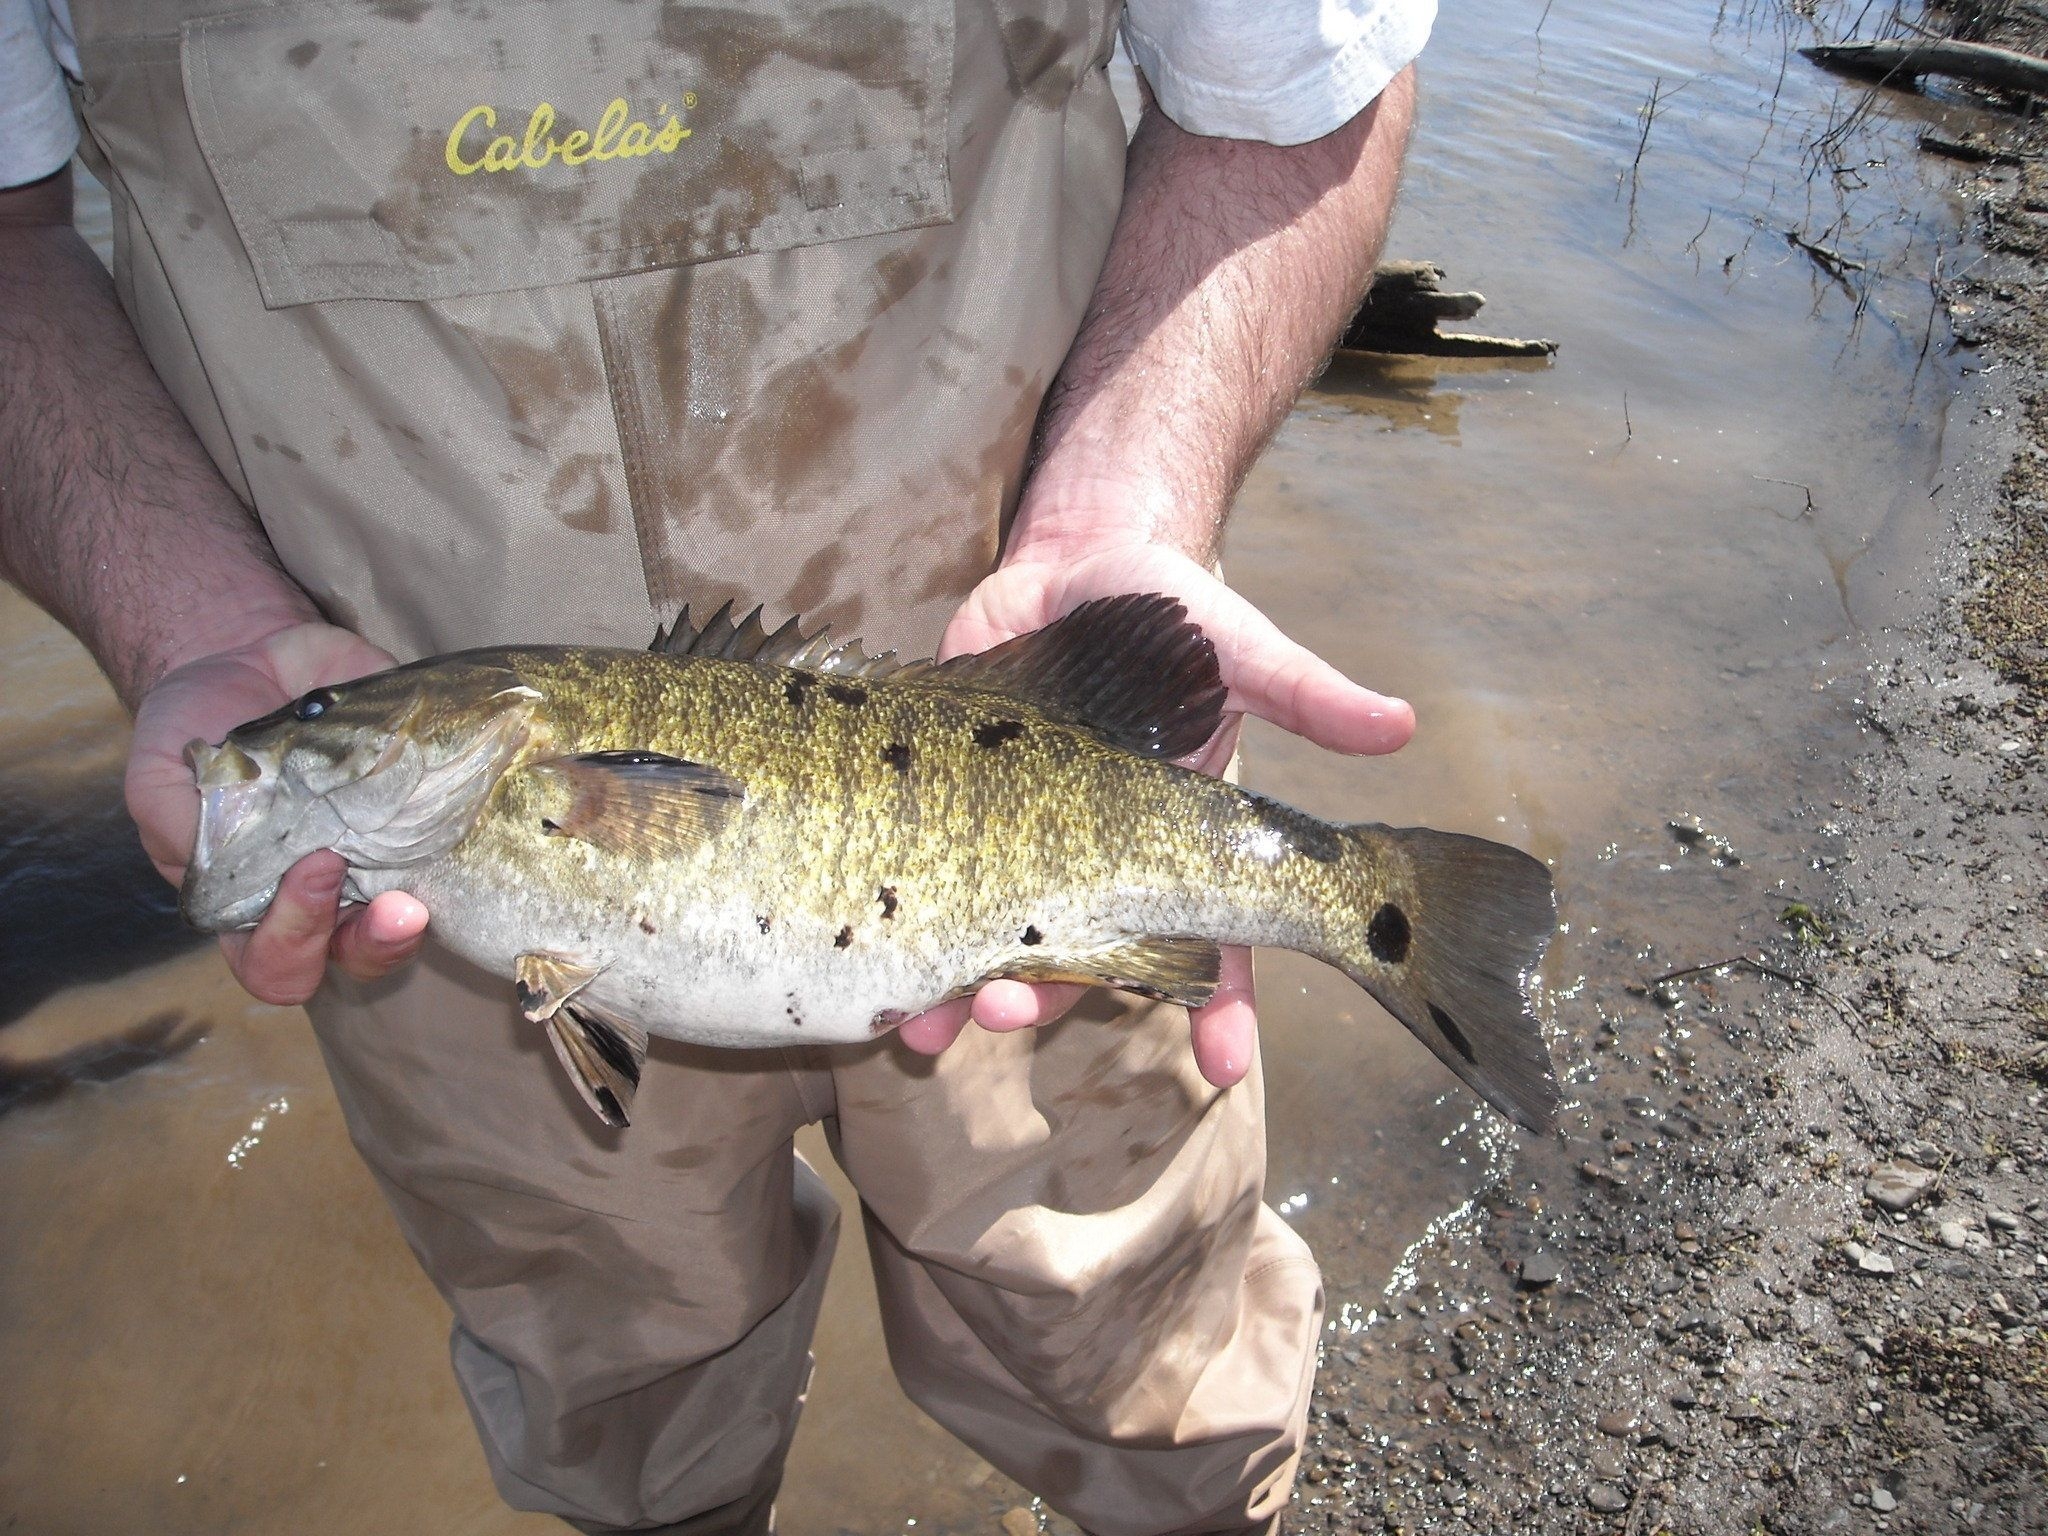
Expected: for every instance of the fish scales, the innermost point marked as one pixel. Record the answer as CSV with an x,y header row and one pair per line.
x,y
714,844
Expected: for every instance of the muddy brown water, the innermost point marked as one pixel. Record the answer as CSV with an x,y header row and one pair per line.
x,y
1634,584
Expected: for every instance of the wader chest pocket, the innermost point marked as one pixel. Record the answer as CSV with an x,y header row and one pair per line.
x,y
416,149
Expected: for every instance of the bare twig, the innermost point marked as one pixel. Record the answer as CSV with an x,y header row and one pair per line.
x,y
1763,968
1796,485
1828,259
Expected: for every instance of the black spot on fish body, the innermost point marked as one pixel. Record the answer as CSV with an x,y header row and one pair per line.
x,y
887,897
850,694
764,923
1033,936
897,755
798,688
1451,1031
1388,934
843,938
996,732
648,927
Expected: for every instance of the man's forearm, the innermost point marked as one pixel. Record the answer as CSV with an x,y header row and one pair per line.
x,y
1232,270
112,516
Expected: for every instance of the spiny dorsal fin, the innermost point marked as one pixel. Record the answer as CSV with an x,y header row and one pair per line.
x,y
1134,670
641,804
720,639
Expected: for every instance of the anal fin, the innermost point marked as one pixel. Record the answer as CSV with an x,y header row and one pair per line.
x,y
1183,971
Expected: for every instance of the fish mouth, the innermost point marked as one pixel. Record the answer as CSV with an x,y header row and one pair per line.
x,y
218,895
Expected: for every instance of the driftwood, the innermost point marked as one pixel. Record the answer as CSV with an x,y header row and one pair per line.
x,y
1909,59
1401,312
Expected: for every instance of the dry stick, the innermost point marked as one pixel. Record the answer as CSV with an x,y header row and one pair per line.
x,y
1764,968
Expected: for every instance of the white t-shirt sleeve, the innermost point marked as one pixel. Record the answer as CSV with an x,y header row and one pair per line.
x,y
1285,71
37,130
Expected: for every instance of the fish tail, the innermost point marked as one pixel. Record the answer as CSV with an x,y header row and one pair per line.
x,y
1453,927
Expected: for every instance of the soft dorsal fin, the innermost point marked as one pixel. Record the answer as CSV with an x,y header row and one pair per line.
x,y
1135,670
719,638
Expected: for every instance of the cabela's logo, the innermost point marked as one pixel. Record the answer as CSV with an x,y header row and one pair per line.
x,y
474,146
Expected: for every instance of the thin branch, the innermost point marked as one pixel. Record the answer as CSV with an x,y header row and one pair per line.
x,y
1764,968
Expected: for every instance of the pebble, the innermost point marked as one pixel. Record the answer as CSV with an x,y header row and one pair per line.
x,y
1539,1270
1898,1186
1607,1498
1882,1501
1617,1424
2005,1221
1954,1234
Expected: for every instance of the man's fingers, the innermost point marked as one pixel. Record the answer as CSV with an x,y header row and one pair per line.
x,y
1226,1028
382,936
1272,677
930,1032
282,960
1007,1005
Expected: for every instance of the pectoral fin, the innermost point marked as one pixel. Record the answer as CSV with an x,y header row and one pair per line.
x,y
1183,971
601,1055
641,804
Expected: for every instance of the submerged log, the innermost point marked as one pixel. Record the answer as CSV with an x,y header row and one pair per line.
x,y
1910,58
1401,311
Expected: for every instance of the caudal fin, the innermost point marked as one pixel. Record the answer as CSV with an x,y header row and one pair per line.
x,y
1449,948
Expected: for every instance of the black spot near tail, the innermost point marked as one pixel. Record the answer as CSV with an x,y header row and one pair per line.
x,y
1452,1033
996,732
887,897
843,938
850,694
764,922
1388,935
798,688
897,755
647,927
1032,935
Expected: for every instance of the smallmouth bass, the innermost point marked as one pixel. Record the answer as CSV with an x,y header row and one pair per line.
x,y
751,839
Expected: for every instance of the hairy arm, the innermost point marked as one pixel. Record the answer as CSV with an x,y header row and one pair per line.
x,y
113,518
1232,270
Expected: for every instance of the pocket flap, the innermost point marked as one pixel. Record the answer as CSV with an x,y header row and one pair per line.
x,y
408,149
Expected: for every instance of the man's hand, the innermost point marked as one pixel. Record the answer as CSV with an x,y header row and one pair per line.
x,y
283,958
1267,674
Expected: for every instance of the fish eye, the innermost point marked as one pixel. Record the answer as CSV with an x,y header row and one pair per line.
x,y
314,704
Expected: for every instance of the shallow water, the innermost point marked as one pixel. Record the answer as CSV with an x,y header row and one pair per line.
x,y
1633,584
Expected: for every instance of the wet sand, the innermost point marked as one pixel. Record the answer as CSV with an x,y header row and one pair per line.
x,y
1600,580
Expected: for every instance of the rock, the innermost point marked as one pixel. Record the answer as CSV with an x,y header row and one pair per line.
x,y
1617,1424
1874,1263
1954,1234
1020,1522
1539,1270
1882,1500
1607,1498
1899,1186
2003,1221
